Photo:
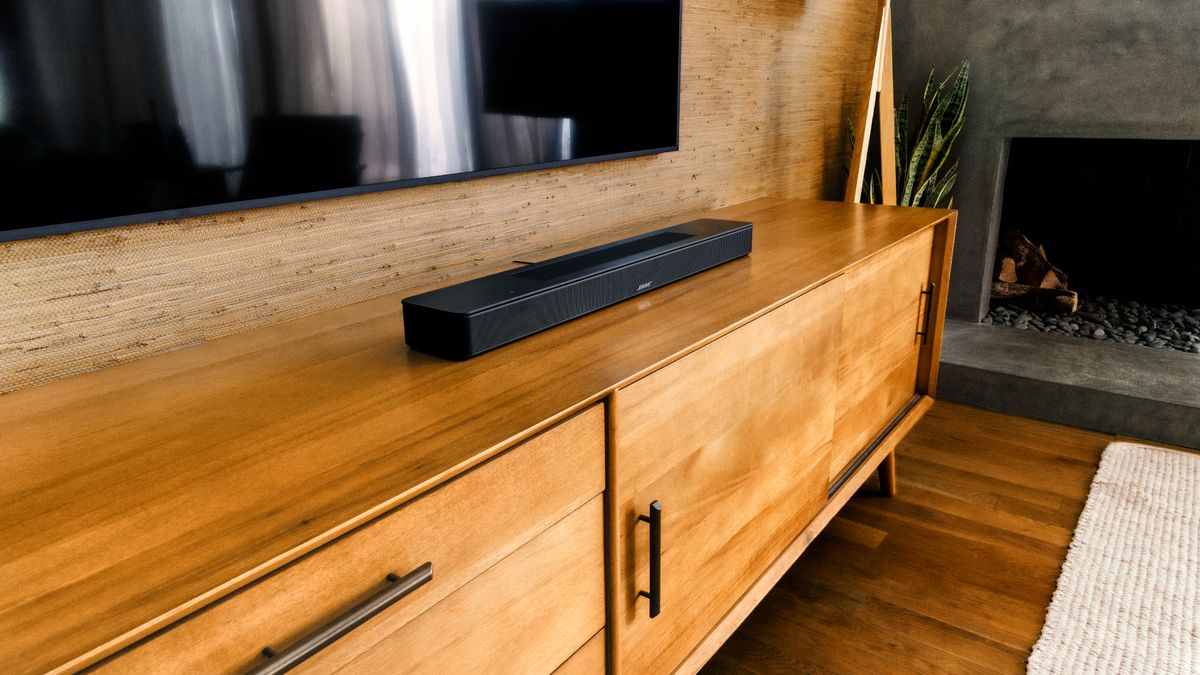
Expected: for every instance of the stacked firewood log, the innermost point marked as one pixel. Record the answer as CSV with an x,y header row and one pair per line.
x,y
1024,276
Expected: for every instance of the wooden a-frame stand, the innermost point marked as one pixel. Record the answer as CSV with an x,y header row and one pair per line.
x,y
879,89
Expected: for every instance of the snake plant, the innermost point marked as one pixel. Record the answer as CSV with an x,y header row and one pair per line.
x,y
920,179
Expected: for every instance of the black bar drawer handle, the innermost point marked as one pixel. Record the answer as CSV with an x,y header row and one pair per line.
x,y
398,587
930,291
654,595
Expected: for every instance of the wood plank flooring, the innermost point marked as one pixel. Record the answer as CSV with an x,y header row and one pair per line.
x,y
953,575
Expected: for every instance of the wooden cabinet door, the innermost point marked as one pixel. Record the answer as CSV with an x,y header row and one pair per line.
x,y
880,346
733,440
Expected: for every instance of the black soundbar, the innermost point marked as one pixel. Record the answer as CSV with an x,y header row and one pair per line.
x,y
461,321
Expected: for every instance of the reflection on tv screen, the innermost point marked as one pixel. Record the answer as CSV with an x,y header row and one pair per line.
x,y
117,111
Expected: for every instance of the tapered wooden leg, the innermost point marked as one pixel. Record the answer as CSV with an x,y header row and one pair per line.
x,y
887,475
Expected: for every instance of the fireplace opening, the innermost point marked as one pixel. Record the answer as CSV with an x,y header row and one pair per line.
x,y
1100,238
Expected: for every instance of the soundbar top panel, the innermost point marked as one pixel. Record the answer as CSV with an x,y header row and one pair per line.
x,y
465,319
484,293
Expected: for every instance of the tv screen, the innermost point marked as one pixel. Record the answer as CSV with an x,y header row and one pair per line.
x,y
123,111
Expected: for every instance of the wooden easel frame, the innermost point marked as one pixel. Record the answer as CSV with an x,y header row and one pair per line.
x,y
879,89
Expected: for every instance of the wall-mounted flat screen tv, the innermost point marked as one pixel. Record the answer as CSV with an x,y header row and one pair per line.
x,y
122,111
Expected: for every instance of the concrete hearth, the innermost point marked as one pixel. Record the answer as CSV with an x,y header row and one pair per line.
x,y
1152,394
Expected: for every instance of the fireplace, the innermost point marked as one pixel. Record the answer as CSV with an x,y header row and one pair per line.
x,y
1043,77
1111,226
1094,315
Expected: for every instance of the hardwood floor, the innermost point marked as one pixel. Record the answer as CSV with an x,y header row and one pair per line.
x,y
954,574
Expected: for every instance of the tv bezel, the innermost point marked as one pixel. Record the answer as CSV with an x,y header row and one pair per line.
x,y
243,204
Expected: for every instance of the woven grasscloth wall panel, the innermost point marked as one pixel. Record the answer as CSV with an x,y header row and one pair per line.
x,y
765,84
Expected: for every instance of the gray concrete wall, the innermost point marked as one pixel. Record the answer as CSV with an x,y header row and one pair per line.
x,y
1072,68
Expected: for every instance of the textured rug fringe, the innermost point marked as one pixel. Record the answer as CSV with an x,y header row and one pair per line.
x,y
1128,597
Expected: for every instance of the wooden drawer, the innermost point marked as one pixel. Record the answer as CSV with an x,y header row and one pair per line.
x,y
527,614
463,528
880,349
733,441
590,659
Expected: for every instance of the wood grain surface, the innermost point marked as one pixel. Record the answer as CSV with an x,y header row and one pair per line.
x,y
753,597
733,440
953,575
528,614
462,528
137,494
939,274
765,86
879,351
590,659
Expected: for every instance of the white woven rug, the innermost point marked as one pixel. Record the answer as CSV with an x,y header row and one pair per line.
x,y
1128,598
